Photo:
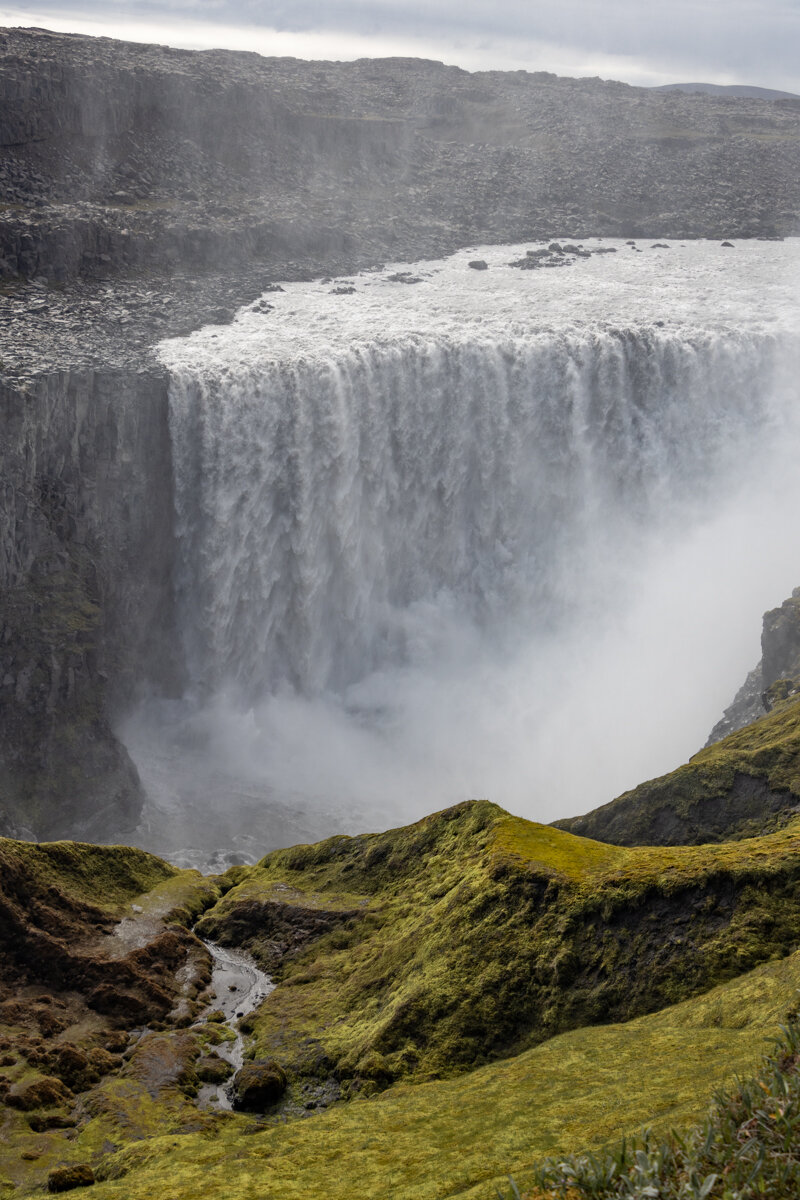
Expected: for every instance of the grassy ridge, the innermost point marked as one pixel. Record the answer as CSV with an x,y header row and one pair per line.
x,y
749,1146
106,876
473,935
458,1137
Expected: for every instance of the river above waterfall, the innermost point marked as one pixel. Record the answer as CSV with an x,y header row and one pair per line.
x,y
448,532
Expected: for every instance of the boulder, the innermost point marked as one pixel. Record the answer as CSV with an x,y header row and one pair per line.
x,y
258,1085
213,1069
64,1179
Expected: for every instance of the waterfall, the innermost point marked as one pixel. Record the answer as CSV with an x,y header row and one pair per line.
x,y
495,533
320,503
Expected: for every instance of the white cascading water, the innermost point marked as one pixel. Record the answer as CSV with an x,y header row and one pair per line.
x,y
422,529
321,503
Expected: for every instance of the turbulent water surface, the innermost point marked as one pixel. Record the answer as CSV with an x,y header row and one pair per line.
x,y
454,533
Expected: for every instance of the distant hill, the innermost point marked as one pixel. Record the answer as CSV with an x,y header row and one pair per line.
x,y
727,89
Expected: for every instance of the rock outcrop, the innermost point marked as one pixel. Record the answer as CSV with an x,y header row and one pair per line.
x,y
777,675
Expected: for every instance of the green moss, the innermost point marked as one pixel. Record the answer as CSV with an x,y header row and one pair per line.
x,y
748,1146
456,1138
429,950
104,876
575,857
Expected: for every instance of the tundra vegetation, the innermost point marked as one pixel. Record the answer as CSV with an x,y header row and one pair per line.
x,y
467,999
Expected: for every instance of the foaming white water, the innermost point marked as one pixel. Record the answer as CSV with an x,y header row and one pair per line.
x,y
495,533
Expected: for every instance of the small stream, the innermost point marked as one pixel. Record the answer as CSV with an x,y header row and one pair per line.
x,y
240,986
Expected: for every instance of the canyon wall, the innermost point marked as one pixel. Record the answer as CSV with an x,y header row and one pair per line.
x,y
85,594
119,157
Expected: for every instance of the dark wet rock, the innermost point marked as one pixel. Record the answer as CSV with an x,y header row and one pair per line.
x,y
535,259
346,290
41,1122
258,1085
271,931
728,245
478,264
79,1068
65,1179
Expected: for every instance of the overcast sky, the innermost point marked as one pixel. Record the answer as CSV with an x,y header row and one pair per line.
x,y
716,41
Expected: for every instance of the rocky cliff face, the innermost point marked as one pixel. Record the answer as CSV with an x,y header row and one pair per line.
x,y
85,593
119,157
775,678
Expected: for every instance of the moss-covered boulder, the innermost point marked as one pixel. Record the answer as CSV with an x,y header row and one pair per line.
x,y
65,1179
258,1085
46,1092
210,1068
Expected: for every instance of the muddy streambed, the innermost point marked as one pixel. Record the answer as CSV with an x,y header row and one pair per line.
x,y
239,986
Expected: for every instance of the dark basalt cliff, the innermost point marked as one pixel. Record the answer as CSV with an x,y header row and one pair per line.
x,y
85,595
138,156
145,191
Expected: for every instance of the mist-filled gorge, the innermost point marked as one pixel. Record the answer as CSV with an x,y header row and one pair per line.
x,y
496,533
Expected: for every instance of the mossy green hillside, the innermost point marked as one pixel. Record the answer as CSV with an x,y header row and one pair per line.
x,y
748,1146
105,876
94,942
471,935
743,785
449,1138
